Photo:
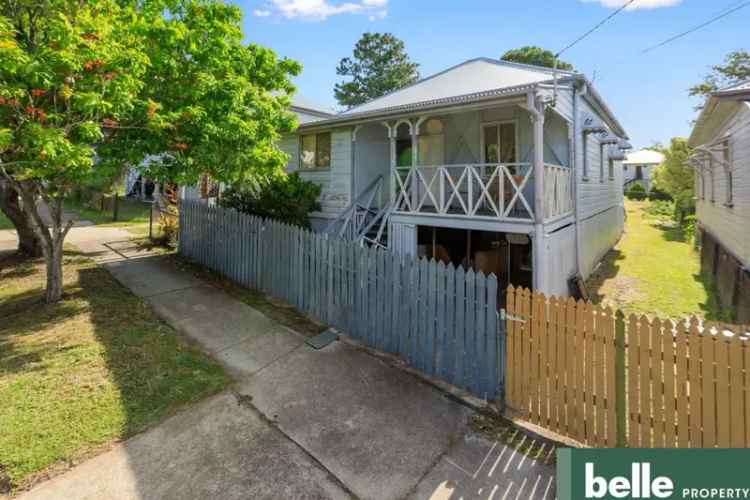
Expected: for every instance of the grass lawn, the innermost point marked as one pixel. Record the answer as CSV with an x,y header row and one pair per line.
x,y
132,215
654,270
95,368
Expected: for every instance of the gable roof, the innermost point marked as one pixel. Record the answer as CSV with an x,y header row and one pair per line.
x,y
718,108
471,78
472,81
644,157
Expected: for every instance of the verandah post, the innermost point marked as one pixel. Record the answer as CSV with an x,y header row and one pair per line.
x,y
621,410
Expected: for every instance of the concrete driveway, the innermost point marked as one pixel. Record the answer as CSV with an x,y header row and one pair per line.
x,y
298,423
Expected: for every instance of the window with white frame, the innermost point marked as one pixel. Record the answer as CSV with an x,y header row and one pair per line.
x,y
611,169
315,151
712,178
499,142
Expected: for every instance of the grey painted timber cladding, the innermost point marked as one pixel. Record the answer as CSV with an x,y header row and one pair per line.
x,y
439,319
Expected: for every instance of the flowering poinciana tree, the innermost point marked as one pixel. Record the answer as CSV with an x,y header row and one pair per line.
x,y
88,86
69,69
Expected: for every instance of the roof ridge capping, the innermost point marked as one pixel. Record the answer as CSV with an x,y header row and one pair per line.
x,y
533,67
739,87
489,60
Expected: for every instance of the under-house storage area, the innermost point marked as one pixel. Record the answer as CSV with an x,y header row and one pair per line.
x,y
506,255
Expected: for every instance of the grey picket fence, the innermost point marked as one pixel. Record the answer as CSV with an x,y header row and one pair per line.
x,y
437,318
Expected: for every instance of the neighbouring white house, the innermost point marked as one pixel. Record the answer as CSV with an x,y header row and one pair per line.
x,y
502,167
639,167
721,139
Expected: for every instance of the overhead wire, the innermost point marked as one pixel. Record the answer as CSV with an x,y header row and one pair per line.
x,y
728,11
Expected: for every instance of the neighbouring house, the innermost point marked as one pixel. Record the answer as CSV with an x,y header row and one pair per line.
x,y
639,167
306,111
496,166
721,140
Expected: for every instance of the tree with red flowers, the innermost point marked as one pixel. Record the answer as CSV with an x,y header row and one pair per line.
x,y
90,86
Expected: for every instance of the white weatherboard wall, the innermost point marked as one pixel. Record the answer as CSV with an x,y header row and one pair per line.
x,y
601,203
730,225
560,247
335,181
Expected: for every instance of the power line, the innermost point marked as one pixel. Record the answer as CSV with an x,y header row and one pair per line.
x,y
599,25
722,15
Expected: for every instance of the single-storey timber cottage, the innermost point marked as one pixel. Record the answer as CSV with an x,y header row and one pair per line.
x,y
504,167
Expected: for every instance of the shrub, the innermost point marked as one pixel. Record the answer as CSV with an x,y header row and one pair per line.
x,y
657,194
688,226
636,191
684,207
287,198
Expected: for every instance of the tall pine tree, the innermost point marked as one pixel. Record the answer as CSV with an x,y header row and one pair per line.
x,y
379,65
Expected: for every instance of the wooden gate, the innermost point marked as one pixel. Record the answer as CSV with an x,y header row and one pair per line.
x,y
605,380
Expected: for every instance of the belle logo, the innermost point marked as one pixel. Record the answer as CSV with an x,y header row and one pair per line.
x,y
639,485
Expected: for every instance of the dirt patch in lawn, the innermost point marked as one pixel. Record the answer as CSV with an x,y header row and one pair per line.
x,y
617,291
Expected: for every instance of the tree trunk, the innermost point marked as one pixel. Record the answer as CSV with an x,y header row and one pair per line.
x,y
52,237
53,250
29,243
54,272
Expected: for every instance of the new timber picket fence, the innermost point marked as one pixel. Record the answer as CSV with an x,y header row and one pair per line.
x,y
439,319
605,380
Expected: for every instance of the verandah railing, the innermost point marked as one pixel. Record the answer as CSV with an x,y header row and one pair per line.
x,y
438,318
498,191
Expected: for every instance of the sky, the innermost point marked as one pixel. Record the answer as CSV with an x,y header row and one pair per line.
x,y
647,92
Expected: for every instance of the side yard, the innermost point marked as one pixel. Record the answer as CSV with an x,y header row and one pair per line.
x,y
654,269
133,215
79,375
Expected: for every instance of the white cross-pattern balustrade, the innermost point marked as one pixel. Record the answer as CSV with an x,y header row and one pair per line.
x,y
496,191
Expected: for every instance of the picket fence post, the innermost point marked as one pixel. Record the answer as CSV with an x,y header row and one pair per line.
x,y
621,409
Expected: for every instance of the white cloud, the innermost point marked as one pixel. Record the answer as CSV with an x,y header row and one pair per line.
x,y
638,4
319,10
261,12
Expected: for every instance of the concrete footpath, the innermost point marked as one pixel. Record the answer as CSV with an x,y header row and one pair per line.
x,y
298,423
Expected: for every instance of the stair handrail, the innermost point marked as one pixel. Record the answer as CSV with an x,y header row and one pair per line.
x,y
345,217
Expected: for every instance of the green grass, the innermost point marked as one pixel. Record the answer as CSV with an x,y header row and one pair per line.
x,y
654,270
95,368
132,215
5,222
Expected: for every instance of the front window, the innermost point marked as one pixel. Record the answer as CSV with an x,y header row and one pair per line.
x,y
315,151
499,143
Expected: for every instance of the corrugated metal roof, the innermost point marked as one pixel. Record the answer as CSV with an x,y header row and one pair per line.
x,y
472,81
471,78
644,157
302,102
738,87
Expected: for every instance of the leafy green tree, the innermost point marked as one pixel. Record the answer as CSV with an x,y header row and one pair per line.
x,y
216,105
379,65
735,69
536,56
87,87
69,70
676,177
